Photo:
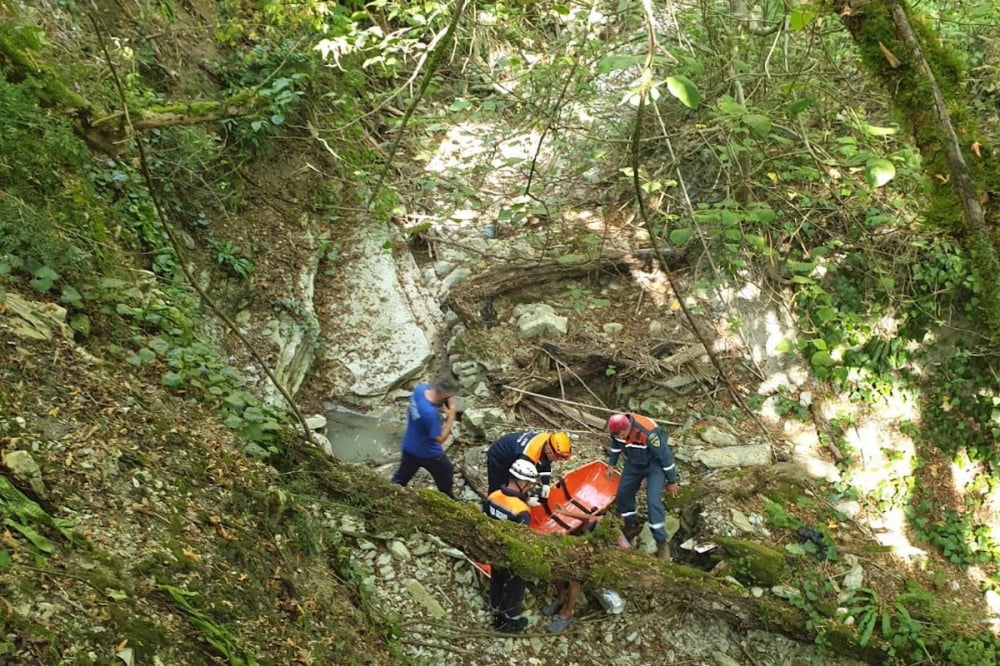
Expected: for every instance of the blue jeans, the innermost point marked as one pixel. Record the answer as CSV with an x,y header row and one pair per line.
x,y
440,468
632,477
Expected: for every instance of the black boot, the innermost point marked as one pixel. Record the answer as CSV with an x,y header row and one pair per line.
x,y
512,625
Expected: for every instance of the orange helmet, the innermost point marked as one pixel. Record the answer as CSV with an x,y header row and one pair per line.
x,y
561,445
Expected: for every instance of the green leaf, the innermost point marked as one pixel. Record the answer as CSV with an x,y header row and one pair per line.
x,y
609,64
800,266
172,379
865,628
116,595
819,343
784,346
825,314
821,359
758,123
80,323
878,172
232,421
568,258
681,236
70,295
561,9
798,106
799,18
40,542
685,90
762,215
731,107
460,105
5,559
601,302
146,354
795,549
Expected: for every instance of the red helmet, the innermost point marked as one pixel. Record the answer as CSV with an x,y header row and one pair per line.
x,y
619,422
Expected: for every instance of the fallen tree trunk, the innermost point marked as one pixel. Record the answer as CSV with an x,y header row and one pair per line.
x,y
102,130
593,560
470,297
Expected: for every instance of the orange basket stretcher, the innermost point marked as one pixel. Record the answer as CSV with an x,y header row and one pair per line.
x,y
574,501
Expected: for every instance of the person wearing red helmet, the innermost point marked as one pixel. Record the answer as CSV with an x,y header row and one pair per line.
x,y
647,456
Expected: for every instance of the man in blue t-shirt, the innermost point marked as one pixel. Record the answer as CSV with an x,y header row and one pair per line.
x,y
425,434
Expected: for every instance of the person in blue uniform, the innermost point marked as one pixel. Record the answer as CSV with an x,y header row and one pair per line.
x,y
510,502
647,456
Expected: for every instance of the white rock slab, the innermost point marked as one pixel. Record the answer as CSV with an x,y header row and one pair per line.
x,y
736,456
381,329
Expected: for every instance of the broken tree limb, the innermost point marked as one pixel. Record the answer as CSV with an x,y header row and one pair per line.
x,y
467,299
561,400
103,130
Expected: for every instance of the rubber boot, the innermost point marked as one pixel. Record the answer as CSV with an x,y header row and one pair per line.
x,y
663,551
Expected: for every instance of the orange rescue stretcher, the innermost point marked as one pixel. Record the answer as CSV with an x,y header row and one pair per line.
x,y
574,501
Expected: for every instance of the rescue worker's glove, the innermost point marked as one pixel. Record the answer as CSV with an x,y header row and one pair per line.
x,y
544,492
534,501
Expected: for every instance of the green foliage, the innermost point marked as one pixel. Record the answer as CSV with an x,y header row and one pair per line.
x,y
229,257
50,216
219,637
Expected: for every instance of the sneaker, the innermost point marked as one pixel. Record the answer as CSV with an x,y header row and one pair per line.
x,y
551,608
513,625
558,623
498,620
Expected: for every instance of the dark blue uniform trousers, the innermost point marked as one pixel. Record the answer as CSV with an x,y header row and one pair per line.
x,y
632,476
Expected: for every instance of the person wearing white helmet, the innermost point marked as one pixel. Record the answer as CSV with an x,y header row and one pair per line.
x,y
510,502
647,456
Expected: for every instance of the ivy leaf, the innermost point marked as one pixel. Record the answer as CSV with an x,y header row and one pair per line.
x,y
878,172
822,359
70,295
731,107
758,123
612,63
685,90
681,236
171,379
44,277
800,18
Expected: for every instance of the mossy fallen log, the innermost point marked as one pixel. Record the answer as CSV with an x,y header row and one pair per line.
x,y
763,565
102,129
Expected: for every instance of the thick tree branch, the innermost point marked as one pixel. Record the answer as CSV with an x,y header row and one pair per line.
x,y
924,83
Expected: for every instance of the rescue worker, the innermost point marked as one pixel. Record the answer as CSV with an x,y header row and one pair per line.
x,y
647,456
425,434
539,448
510,502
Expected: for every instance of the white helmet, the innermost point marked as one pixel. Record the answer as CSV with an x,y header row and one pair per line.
x,y
524,470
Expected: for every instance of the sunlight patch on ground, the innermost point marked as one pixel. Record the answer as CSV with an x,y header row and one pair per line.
x,y
471,144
